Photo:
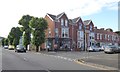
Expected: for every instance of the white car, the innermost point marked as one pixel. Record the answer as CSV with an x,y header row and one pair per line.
x,y
93,49
5,47
102,48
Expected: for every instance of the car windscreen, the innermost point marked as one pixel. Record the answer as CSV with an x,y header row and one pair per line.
x,y
113,47
20,46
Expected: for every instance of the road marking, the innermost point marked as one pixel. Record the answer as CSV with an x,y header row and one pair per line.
x,y
90,65
25,59
98,67
59,57
104,58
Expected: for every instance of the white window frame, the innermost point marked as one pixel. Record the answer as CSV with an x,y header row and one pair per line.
x,y
97,35
108,37
65,31
66,23
100,36
56,32
90,27
80,26
78,35
81,35
62,22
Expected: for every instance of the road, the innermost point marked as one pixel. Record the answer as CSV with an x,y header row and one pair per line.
x,y
99,58
39,61
0,59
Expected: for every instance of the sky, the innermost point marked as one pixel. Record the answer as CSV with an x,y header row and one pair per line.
x,y
103,13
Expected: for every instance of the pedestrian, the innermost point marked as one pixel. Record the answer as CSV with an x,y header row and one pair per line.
x,y
48,48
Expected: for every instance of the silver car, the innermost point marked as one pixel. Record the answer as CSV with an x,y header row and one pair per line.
x,y
111,49
93,49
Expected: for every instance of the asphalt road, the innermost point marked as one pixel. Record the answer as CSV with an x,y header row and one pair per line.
x,y
39,61
0,59
100,58
110,60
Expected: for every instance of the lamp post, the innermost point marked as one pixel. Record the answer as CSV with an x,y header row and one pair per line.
x,y
49,34
85,38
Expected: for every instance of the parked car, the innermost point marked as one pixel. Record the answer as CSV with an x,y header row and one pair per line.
x,y
118,50
11,47
5,47
111,49
93,49
102,48
20,48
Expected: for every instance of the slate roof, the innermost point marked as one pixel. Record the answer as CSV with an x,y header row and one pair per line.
x,y
59,15
86,22
55,17
52,16
73,21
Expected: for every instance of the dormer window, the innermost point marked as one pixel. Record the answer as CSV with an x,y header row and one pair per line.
x,y
90,27
80,26
66,23
62,22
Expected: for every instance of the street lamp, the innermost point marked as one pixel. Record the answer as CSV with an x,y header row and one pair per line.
x,y
49,35
85,38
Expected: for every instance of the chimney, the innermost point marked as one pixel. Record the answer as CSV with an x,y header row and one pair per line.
x,y
95,27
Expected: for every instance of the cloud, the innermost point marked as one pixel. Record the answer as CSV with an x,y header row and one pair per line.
x,y
13,10
93,6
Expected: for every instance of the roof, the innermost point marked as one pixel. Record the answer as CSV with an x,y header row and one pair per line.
x,y
86,22
55,17
75,20
52,16
59,15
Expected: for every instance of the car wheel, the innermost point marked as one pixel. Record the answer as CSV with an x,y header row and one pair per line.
x,y
25,51
105,52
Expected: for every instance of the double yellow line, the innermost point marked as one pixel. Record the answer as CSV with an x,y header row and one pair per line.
x,y
82,62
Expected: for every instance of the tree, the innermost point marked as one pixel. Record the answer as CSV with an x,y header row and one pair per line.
x,y
5,41
118,32
14,36
39,25
109,29
24,21
17,35
10,36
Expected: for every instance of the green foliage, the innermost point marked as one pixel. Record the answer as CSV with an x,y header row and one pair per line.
x,y
118,32
3,41
15,42
6,41
109,29
26,39
24,21
14,36
39,25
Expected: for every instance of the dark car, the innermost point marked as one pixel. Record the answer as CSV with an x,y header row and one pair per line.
x,y
20,48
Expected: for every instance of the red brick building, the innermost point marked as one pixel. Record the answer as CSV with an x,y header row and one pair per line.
x,y
105,37
75,33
